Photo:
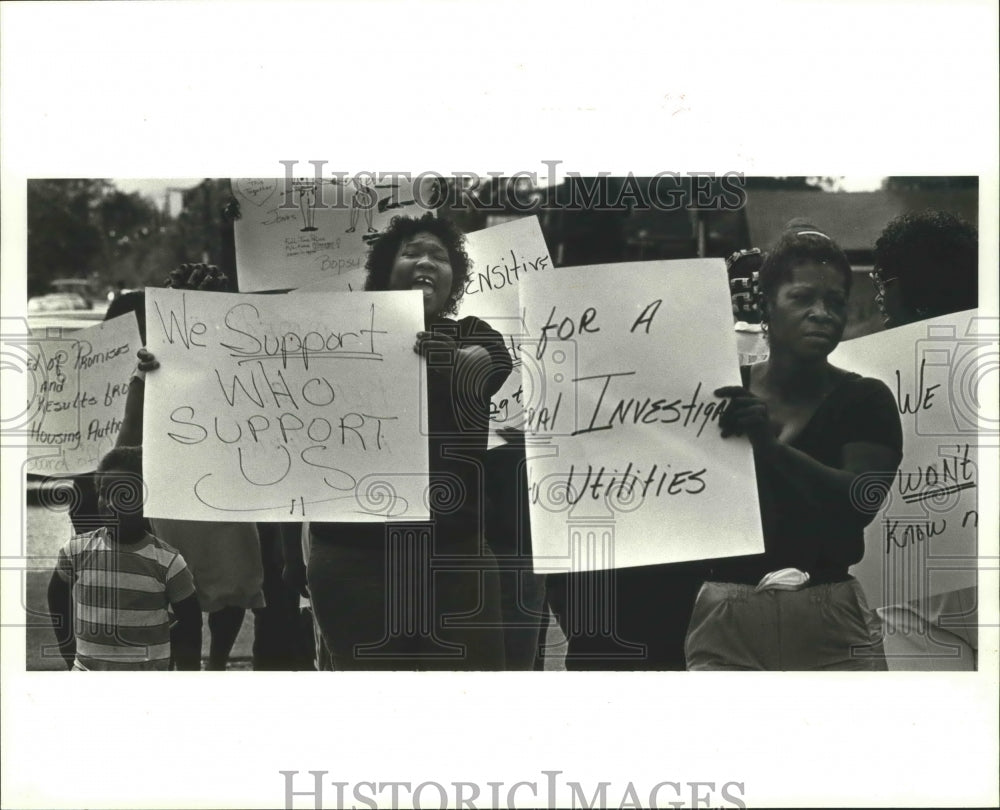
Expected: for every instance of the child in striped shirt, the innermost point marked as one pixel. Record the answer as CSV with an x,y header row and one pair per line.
x,y
111,589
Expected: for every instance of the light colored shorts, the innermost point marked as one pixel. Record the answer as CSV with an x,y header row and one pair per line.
x,y
224,559
822,627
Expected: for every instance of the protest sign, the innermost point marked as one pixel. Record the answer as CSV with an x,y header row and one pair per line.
x,y
943,372
349,280
281,408
502,257
80,382
626,464
294,232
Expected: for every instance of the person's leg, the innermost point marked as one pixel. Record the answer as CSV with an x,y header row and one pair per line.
x,y
269,642
194,666
608,619
224,626
466,618
277,642
654,607
353,594
524,625
629,619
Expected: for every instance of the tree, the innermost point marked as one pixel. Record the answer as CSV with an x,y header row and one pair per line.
x,y
963,183
64,233
792,183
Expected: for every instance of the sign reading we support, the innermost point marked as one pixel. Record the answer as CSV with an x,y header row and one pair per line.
x,y
281,408
626,464
80,384
295,232
943,372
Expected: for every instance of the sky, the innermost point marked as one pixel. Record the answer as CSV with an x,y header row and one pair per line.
x,y
156,190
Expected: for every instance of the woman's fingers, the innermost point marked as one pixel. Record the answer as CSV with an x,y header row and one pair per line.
x,y
211,279
197,276
177,276
427,341
147,362
743,413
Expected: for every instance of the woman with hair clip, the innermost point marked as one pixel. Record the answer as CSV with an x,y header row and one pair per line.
x,y
826,443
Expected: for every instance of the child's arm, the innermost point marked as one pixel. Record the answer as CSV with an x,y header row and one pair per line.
x,y
61,614
130,433
185,637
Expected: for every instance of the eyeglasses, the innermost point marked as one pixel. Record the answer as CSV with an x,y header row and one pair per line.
x,y
880,283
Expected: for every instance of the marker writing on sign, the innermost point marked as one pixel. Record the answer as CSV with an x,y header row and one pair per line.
x,y
244,319
500,275
599,483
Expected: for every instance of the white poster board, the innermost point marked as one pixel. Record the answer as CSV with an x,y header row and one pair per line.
x,y
269,407
626,464
502,257
294,232
80,382
944,375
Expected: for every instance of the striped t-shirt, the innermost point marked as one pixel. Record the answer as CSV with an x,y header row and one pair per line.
x,y
120,598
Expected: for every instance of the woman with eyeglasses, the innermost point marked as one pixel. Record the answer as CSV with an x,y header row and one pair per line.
x,y
926,264
826,443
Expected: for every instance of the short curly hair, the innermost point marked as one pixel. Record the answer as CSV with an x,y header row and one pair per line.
x,y
935,257
800,242
383,253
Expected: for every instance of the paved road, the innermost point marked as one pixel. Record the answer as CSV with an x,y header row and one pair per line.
x,y
45,531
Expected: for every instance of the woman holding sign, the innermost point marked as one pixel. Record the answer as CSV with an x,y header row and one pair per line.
x,y
826,444
425,595
927,265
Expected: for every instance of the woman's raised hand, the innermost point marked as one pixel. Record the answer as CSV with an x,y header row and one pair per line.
x,y
198,276
428,342
147,362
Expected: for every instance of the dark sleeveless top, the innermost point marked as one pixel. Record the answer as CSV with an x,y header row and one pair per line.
x,y
812,535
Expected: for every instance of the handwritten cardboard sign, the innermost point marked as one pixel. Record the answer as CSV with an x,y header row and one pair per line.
x,y
80,381
503,256
294,233
273,407
626,465
943,372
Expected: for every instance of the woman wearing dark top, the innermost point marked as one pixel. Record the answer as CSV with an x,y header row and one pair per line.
x,y
826,445
423,595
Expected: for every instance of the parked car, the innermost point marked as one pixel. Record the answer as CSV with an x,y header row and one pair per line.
x,y
66,311
86,289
